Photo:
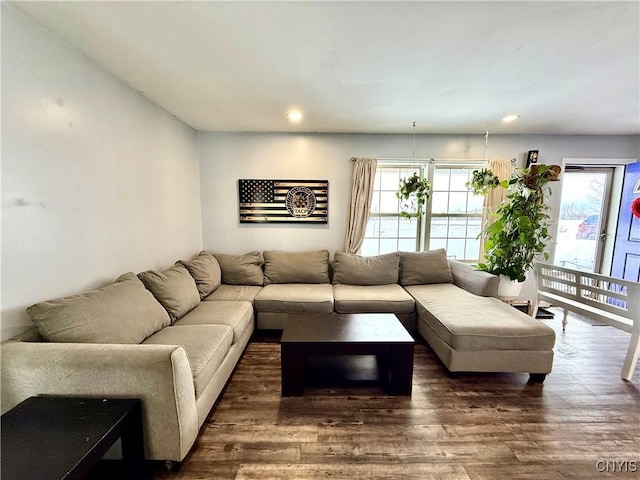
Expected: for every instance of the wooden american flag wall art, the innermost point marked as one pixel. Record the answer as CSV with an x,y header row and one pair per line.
x,y
284,201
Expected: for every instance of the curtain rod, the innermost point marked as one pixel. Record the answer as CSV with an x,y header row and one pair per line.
x,y
432,160
411,159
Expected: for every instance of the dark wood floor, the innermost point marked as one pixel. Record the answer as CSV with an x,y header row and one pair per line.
x,y
476,426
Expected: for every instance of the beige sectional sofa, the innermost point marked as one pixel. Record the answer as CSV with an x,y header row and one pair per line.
x,y
172,338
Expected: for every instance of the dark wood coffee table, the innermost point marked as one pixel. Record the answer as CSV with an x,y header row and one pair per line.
x,y
63,437
379,334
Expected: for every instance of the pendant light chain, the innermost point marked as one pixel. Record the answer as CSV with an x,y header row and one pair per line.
x,y
486,146
414,142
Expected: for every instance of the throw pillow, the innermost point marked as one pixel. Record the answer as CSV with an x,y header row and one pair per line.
x,y
296,267
241,269
351,269
205,270
420,268
174,288
121,312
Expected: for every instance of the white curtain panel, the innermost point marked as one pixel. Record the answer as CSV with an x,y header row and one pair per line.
x,y
364,173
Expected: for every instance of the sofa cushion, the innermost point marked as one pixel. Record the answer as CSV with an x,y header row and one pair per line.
x,y
243,269
234,292
420,268
205,345
122,312
295,297
372,299
354,269
468,322
237,315
174,288
296,267
205,270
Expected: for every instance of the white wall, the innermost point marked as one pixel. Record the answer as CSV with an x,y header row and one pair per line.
x,y
227,157
96,180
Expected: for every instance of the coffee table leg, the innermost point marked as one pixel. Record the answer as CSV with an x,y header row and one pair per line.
x,y
401,369
133,445
292,369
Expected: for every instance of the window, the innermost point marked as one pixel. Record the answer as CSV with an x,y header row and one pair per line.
x,y
456,213
453,214
387,231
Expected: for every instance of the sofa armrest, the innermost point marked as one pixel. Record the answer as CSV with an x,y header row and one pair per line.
x,y
474,281
160,375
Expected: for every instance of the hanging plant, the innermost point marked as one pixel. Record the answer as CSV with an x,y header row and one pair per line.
x,y
413,194
483,181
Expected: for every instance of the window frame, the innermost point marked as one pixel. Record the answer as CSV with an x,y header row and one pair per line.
x,y
450,165
423,228
419,220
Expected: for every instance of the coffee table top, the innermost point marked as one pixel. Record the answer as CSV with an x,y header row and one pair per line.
x,y
57,437
381,328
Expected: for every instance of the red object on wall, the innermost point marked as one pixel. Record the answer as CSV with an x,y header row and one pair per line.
x,y
635,207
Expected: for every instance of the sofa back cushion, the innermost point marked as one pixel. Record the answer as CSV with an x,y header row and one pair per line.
x,y
243,269
296,267
420,268
351,269
205,270
122,312
174,288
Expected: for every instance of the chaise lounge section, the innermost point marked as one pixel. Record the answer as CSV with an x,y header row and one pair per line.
x,y
481,334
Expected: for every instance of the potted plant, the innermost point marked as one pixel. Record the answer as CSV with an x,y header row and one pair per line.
x,y
520,232
413,194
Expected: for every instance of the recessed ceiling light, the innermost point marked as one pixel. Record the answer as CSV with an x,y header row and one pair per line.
x,y
294,116
511,118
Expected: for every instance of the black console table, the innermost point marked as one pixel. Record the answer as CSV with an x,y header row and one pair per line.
x,y
63,438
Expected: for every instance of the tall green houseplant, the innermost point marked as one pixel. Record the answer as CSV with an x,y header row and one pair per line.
x,y
520,232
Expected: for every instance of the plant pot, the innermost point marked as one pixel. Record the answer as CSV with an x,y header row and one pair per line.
x,y
508,288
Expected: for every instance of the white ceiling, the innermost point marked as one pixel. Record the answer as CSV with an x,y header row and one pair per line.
x,y
452,67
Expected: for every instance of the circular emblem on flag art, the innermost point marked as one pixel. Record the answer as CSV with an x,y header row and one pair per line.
x,y
301,201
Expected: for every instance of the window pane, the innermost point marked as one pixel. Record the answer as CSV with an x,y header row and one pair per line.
x,y
439,226
475,203
440,202
373,227
375,202
407,244
408,228
376,180
441,179
457,227
457,202
388,245
472,251
435,243
388,202
389,179
389,227
473,227
459,177
455,248
369,246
